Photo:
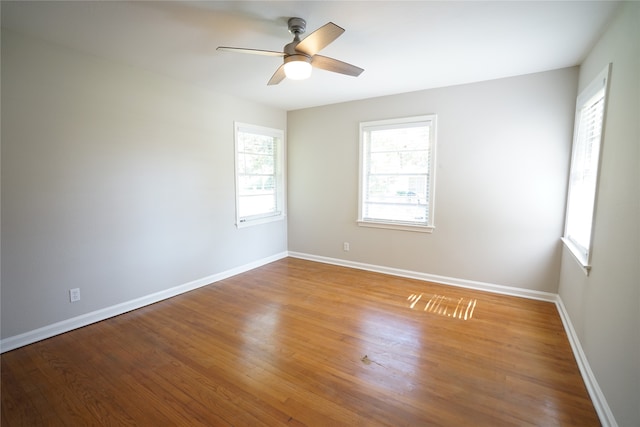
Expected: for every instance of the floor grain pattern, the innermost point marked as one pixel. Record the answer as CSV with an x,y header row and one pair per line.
x,y
301,343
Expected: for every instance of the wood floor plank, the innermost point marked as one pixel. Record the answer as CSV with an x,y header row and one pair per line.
x,y
306,344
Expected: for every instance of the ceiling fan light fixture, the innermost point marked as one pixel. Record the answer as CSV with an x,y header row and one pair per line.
x,y
297,67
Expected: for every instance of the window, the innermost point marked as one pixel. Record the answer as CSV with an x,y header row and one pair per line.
x,y
397,174
259,174
583,177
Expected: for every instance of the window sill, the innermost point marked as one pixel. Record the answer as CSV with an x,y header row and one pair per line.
x,y
397,226
578,256
257,221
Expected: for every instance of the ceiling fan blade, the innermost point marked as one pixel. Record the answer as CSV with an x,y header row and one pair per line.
x,y
330,64
319,39
278,76
251,51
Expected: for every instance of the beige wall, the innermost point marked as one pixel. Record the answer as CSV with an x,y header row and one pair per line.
x,y
502,161
115,181
605,307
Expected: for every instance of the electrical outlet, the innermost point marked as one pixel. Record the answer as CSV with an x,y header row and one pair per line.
x,y
345,246
74,294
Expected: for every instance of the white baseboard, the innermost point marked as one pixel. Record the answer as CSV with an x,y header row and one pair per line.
x,y
599,402
463,283
49,331
597,397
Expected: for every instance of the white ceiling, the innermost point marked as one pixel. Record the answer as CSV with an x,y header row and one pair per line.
x,y
403,46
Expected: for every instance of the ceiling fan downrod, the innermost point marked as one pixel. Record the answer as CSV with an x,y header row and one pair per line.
x,y
297,27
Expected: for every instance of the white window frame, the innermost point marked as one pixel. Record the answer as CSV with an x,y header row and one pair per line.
x,y
365,129
574,236
278,213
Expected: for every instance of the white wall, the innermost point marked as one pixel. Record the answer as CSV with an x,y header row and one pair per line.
x,y
502,161
604,308
115,181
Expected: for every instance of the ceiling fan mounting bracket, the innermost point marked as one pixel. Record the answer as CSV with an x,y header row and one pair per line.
x,y
297,26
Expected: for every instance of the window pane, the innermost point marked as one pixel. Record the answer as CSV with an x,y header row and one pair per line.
x,y
398,139
257,205
397,188
256,184
397,213
259,179
256,164
584,168
253,143
396,170
405,161
584,173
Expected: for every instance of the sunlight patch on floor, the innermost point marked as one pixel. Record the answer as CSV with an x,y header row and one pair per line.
x,y
457,308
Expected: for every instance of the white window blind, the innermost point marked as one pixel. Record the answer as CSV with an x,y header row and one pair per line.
x,y
259,174
396,173
585,159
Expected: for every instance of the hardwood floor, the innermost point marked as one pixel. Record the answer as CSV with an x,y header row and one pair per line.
x,y
303,343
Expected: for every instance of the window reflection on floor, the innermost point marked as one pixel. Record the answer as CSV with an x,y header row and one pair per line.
x,y
457,308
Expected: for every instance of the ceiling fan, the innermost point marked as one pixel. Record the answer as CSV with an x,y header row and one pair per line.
x,y
301,55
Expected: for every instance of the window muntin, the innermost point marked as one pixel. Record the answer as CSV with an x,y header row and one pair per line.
x,y
259,174
583,177
396,173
